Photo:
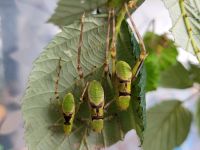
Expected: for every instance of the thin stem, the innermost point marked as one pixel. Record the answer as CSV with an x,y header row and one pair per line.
x,y
189,29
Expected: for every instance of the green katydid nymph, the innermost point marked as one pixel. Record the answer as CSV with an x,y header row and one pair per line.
x,y
94,90
68,109
96,104
122,74
66,106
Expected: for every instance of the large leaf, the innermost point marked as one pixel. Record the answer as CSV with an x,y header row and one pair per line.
x,y
68,11
197,115
185,16
168,124
162,55
37,108
176,76
36,102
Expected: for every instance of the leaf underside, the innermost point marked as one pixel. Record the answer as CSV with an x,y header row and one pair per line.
x,y
68,11
38,111
168,124
181,29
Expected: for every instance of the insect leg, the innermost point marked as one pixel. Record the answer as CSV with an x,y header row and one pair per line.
x,y
106,63
143,53
79,67
56,98
84,91
113,44
108,104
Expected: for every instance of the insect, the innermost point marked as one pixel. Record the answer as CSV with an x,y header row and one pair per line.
x,y
68,109
93,91
122,74
66,106
123,81
96,104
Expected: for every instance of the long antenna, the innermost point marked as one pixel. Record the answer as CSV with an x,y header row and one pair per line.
x,y
79,67
57,79
139,63
107,44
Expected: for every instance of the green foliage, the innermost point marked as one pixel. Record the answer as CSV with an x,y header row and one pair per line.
x,y
68,11
194,71
162,55
185,16
36,102
115,3
178,76
197,115
153,73
138,101
37,108
168,124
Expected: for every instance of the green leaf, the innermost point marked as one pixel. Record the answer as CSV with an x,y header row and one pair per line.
x,y
197,115
153,73
68,11
162,55
36,103
185,16
168,124
38,111
176,76
195,73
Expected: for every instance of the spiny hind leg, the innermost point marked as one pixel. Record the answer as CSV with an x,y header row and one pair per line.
x,y
107,54
143,53
113,45
55,101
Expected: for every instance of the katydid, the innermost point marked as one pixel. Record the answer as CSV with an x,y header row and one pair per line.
x,y
93,91
68,109
66,105
122,74
96,104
